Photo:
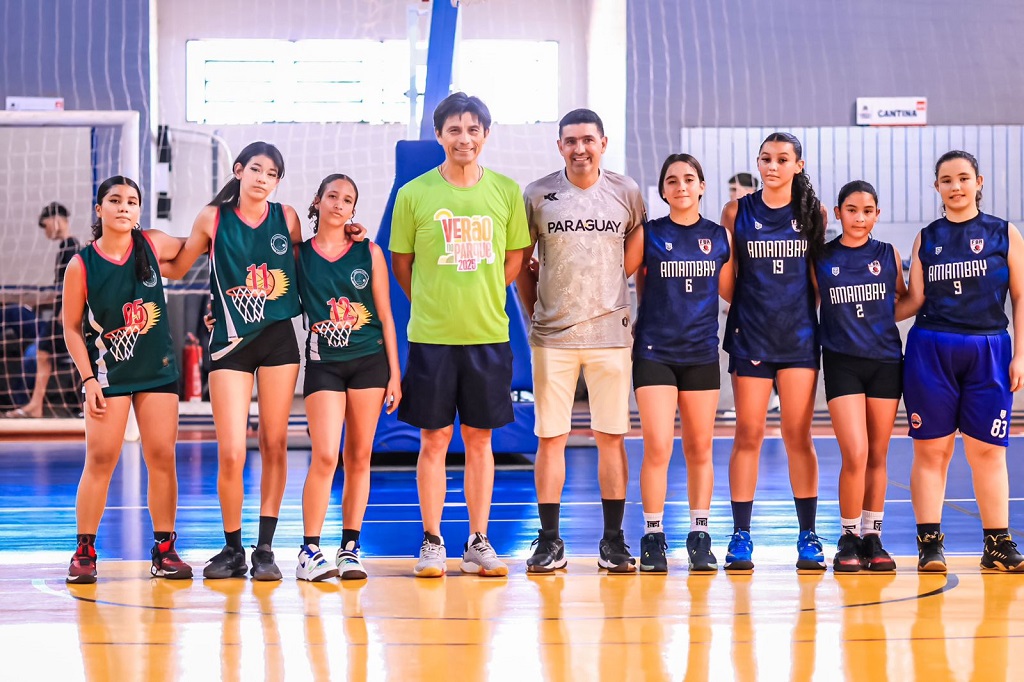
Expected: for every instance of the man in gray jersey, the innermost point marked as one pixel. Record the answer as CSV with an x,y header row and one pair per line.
x,y
583,223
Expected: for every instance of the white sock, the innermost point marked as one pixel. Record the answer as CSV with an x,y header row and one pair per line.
x,y
699,519
473,538
849,526
653,522
871,522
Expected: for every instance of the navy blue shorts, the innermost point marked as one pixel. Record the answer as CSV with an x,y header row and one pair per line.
x,y
475,381
765,370
958,381
51,338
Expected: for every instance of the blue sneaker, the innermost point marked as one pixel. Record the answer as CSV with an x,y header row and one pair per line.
x,y
741,547
810,556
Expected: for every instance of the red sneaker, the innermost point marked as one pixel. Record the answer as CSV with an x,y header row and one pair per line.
x,y
167,563
82,570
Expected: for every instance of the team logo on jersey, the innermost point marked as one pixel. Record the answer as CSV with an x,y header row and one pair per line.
x,y
279,244
835,271
915,421
757,225
977,245
938,250
345,318
467,240
139,318
874,267
755,363
796,228
705,245
360,278
668,246
150,280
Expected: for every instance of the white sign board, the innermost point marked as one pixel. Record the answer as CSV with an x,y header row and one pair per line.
x,y
892,111
34,104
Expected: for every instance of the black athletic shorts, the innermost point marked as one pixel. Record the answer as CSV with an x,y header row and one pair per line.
x,y
369,371
166,388
475,381
273,346
765,370
707,377
850,375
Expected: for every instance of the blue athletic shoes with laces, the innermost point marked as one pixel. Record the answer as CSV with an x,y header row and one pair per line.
x,y
810,556
738,556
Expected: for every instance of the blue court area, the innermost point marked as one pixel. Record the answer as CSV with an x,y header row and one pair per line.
x,y
37,503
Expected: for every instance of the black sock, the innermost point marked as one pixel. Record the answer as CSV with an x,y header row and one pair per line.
x,y
233,539
806,512
432,539
924,529
549,517
311,540
741,513
86,539
161,536
995,532
613,511
348,535
268,526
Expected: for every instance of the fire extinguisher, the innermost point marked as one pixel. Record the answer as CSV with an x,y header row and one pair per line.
x,y
192,357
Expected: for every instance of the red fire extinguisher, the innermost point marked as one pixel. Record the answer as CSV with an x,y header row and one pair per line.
x,y
192,358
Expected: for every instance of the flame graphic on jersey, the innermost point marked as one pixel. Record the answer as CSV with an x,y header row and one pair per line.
x,y
152,317
274,282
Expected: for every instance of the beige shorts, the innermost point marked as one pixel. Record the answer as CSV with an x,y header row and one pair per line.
x,y
608,373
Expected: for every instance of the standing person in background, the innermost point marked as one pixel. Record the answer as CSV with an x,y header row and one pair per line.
x,y
742,184
860,280
586,223
53,220
961,367
126,359
458,233
772,334
687,266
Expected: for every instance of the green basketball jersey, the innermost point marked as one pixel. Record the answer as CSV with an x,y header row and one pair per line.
x,y
125,323
337,299
252,277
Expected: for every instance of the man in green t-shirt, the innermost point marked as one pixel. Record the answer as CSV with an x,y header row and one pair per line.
x,y
457,239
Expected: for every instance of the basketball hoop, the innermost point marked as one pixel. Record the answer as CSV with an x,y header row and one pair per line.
x,y
336,335
248,302
122,342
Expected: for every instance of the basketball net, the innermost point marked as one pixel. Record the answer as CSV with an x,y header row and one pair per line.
x,y
334,334
122,342
248,302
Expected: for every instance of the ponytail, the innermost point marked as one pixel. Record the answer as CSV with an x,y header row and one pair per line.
x,y
143,268
807,209
229,194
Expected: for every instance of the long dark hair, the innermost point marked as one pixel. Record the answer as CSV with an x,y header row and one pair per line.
x,y
806,206
314,210
143,268
969,158
228,195
679,158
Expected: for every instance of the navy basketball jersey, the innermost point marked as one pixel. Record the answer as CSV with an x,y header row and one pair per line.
x,y
772,317
677,322
858,300
966,275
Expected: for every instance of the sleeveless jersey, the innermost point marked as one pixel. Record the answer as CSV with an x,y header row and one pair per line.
x,y
339,291
677,322
125,323
966,275
772,317
252,277
858,300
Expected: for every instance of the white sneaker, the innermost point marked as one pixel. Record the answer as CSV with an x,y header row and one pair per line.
x,y
433,561
312,566
480,559
348,562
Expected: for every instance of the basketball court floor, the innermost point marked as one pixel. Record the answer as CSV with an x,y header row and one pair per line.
x,y
581,624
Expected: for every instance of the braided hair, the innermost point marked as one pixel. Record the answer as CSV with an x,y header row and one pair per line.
x,y
806,206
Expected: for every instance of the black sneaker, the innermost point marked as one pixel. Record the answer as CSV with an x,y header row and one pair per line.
x,y
230,563
698,551
847,558
652,553
1001,554
873,556
263,566
930,557
615,557
548,555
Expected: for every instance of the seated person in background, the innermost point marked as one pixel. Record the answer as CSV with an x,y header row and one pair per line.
x,y
53,219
